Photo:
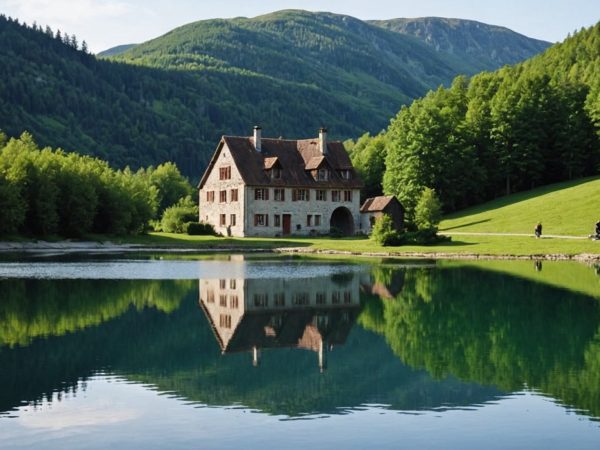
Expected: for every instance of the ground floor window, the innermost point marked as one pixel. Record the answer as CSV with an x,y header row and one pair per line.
x,y
232,220
222,220
317,220
261,220
277,220
309,220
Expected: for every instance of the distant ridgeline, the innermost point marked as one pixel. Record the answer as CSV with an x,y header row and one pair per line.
x,y
171,98
523,126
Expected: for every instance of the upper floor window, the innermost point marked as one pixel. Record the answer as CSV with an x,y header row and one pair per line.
x,y
234,195
279,194
335,196
210,196
347,196
261,194
345,174
222,196
225,173
300,195
322,174
321,194
276,173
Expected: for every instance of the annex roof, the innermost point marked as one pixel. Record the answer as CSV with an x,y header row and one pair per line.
x,y
376,204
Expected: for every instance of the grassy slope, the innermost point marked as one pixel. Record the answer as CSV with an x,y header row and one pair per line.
x,y
570,208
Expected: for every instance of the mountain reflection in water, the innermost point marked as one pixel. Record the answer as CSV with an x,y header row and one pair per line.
x,y
409,338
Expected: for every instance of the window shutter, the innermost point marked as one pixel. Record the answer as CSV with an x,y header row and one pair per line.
x,y
266,220
267,194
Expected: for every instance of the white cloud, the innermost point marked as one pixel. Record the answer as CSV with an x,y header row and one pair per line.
x,y
66,11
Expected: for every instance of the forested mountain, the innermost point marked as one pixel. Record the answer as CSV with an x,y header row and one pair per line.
x,y
172,97
478,46
522,126
114,51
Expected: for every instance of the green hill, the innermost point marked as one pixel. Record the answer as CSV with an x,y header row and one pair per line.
x,y
478,45
171,98
497,133
569,208
114,51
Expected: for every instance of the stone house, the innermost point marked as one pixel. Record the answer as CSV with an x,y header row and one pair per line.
x,y
277,187
251,314
376,207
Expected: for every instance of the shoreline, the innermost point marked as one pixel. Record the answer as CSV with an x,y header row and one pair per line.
x,y
90,247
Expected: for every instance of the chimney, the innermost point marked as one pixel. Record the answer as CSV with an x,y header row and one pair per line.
x,y
323,140
257,138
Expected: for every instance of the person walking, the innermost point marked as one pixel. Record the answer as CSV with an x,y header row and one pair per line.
x,y
538,230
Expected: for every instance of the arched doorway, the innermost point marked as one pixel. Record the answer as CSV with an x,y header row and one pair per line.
x,y
342,219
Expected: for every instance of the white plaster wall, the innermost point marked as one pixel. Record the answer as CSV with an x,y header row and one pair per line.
x,y
215,309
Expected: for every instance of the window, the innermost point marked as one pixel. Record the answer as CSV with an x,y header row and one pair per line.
x,y
234,302
261,220
223,300
335,196
317,220
210,196
276,173
309,220
335,298
261,194
344,174
232,283
320,298
300,195
347,297
225,321
347,196
300,298
279,195
322,175
222,196
279,299
261,300
234,195
222,284
321,195
277,220
222,220
210,296
225,173
232,220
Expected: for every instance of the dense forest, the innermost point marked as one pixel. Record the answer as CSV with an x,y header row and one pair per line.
x,y
499,132
170,99
49,192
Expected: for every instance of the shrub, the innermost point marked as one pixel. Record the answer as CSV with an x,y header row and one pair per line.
x,y
384,233
176,217
428,211
199,229
335,232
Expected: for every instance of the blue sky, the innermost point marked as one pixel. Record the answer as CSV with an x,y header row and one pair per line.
x,y
106,23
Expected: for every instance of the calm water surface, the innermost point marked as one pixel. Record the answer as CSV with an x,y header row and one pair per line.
x,y
264,352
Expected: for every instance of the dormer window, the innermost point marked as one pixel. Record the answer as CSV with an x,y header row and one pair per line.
x,y
322,174
276,173
344,174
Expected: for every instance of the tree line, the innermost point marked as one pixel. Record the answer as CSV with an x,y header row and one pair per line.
x,y
50,192
493,134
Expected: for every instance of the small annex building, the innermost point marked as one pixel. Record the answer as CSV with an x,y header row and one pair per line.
x,y
278,187
376,207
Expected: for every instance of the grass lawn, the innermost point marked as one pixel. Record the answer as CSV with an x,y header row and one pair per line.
x,y
493,245
570,208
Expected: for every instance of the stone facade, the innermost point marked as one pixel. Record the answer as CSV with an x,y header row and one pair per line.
x,y
301,207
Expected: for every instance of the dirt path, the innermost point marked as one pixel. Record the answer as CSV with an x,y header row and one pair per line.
x,y
544,236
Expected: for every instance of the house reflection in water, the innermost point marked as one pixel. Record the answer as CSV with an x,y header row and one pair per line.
x,y
254,314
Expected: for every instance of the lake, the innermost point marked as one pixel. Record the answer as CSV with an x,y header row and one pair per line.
x,y
259,351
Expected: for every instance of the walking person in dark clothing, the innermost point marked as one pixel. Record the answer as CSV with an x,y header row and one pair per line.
x,y
538,230
597,230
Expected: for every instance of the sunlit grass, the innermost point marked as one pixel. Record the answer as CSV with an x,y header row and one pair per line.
x,y
570,208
